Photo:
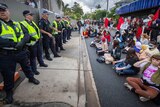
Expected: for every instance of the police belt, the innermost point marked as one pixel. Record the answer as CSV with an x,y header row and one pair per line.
x,y
9,51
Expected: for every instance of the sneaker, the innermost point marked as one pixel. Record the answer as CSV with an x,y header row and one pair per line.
x,y
143,99
128,86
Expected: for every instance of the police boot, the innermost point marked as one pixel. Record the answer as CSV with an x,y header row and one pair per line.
x,y
34,81
9,97
62,48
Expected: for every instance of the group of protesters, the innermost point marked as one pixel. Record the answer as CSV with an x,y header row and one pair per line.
x,y
137,40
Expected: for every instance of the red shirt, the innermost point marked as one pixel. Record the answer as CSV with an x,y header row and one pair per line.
x,y
107,36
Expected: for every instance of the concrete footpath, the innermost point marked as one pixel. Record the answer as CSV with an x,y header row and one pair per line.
x,y
66,82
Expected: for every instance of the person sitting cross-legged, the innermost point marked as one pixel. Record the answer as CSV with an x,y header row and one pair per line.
x,y
125,66
148,86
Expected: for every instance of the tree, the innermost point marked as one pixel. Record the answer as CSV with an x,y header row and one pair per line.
x,y
77,8
75,12
112,14
98,6
59,3
66,9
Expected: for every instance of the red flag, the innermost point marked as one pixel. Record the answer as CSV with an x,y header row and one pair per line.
x,y
156,15
106,22
120,21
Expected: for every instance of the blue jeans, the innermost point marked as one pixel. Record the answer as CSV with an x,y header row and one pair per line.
x,y
127,71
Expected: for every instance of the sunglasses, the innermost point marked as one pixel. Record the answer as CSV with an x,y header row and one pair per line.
x,y
31,14
2,10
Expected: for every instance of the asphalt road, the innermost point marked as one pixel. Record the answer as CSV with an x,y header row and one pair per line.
x,y
109,85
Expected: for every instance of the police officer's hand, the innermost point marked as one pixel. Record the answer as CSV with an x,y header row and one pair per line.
x,y
19,46
50,35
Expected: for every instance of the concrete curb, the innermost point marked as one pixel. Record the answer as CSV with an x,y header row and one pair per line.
x,y
88,74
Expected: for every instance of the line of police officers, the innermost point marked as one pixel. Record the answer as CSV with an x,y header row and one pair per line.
x,y
20,42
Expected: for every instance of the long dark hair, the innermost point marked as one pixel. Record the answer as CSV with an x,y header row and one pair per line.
x,y
115,44
131,53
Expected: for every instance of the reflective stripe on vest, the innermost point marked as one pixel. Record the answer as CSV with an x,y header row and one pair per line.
x,y
32,31
56,26
9,33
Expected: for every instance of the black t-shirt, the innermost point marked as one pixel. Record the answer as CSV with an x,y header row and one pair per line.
x,y
131,62
45,25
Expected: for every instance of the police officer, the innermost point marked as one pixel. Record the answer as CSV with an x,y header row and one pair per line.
x,y
57,33
46,31
68,27
64,30
32,29
12,41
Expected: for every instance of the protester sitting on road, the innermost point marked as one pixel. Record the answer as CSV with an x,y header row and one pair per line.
x,y
148,53
130,35
125,35
144,39
152,48
125,66
137,47
148,86
131,44
115,53
142,54
102,46
107,35
118,37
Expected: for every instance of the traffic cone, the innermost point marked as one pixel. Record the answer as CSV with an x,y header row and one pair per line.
x,y
16,76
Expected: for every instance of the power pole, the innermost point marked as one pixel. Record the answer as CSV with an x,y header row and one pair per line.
x,y
107,4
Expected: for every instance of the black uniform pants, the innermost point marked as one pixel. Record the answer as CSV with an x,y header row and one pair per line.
x,y
48,44
58,40
8,61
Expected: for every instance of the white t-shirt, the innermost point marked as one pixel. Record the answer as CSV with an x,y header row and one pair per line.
x,y
147,74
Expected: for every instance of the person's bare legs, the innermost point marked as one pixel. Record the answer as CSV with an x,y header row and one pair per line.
x,y
141,89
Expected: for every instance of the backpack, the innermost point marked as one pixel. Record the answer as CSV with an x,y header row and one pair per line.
x,y
101,59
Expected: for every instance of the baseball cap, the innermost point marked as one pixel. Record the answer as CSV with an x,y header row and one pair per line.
x,y
3,6
138,47
27,12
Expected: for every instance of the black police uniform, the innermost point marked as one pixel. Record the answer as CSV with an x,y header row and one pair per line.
x,y
47,41
35,50
58,37
64,32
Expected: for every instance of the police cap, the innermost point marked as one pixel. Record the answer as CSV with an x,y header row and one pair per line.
x,y
45,12
27,12
58,17
3,6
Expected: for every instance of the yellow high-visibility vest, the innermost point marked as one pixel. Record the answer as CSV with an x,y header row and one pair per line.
x,y
56,26
9,33
32,31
